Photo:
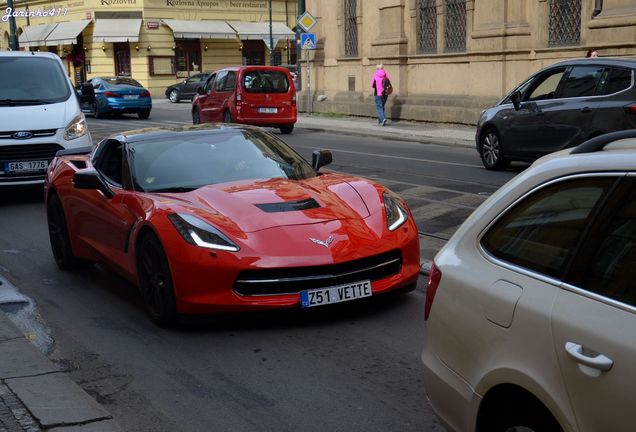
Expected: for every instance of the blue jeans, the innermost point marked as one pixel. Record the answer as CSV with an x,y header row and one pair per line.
x,y
379,105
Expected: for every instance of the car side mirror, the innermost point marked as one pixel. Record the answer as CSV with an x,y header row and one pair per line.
x,y
320,158
91,179
200,90
515,98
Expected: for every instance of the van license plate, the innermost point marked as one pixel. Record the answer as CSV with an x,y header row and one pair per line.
x,y
335,294
25,166
268,110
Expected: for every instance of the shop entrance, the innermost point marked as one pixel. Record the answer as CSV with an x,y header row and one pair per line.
x,y
253,52
187,57
122,58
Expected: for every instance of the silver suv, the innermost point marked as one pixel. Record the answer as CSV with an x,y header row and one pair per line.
x,y
531,306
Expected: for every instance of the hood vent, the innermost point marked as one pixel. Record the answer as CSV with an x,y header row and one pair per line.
x,y
304,204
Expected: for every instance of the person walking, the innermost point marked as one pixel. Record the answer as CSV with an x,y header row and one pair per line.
x,y
377,83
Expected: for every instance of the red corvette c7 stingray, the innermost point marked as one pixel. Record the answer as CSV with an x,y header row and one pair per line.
x,y
221,218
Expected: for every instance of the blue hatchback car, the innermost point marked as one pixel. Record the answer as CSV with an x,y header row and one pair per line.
x,y
115,95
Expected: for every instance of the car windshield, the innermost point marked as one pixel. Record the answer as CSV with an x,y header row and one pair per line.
x,y
32,80
193,160
121,80
265,81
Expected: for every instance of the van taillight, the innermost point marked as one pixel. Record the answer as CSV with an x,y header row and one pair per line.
x,y
630,109
294,100
431,289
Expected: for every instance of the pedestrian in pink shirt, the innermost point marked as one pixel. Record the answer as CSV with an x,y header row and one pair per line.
x,y
378,83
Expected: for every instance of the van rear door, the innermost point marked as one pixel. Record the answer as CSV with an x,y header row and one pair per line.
x,y
266,93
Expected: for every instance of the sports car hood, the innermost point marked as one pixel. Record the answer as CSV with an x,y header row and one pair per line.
x,y
261,204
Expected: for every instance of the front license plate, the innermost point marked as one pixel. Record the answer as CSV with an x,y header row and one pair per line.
x,y
131,96
335,294
268,110
25,166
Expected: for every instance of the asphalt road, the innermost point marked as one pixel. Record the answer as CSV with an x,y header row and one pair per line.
x,y
354,367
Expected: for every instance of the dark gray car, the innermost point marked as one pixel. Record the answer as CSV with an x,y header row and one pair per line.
x,y
560,106
187,88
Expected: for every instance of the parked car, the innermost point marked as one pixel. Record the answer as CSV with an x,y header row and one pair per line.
x,y
254,95
187,88
39,115
101,96
558,107
222,218
531,305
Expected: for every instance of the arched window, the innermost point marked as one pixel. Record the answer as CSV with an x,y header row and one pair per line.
x,y
426,27
564,22
455,26
351,28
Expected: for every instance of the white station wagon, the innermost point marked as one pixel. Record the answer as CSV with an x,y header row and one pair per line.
x,y
531,306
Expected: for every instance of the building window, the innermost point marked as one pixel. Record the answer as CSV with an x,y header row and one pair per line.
x,y
455,26
187,57
122,58
426,27
253,52
351,28
564,22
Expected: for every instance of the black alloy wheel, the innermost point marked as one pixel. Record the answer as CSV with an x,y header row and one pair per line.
x,y
227,117
196,117
173,96
59,236
491,150
155,281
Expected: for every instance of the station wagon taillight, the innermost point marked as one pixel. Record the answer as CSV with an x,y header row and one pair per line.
x,y
145,94
110,94
434,277
630,109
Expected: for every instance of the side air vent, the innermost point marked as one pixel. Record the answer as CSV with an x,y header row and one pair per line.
x,y
79,164
287,206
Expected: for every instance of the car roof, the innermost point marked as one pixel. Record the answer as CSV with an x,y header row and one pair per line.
x,y
254,67
28,54
605,61
158,133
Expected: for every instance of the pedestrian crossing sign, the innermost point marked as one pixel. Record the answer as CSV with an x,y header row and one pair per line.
x,y
308,41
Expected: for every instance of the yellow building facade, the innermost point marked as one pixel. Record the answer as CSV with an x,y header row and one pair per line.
x,y
156,42
449,59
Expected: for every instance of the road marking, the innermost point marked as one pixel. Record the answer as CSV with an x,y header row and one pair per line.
x,y
399,157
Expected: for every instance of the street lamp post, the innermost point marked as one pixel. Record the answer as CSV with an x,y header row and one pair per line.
x,y
271,36
13,32
300,9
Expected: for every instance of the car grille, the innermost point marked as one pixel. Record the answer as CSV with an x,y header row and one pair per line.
x,y
26,152
36,133
296,279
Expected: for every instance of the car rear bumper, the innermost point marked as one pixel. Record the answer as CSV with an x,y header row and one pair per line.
x,y
267,121
122,105
451,397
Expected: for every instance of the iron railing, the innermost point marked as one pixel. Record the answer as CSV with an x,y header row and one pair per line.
x,y
351,28
564,22
426,27
455,26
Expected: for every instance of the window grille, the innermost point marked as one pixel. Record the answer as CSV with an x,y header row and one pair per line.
x,y
426,26
351,28
455,26
564,22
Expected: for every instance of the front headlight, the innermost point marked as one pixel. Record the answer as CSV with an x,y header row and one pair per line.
x,y
396,214
200,233
76,128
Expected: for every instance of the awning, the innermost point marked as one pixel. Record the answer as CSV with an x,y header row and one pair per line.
x,y
260,30
200,29
35,35
116,30
66,33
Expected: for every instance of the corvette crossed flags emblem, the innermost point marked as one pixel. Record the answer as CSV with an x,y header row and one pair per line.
x,y
325,243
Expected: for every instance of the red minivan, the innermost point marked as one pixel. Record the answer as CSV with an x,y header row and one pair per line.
x,y
255,95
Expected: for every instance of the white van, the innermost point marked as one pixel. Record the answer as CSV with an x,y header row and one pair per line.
x,y
39,115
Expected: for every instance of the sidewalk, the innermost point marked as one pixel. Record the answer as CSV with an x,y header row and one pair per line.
x,y
35,395
427,133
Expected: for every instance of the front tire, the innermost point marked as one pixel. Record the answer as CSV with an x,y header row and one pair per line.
x,y
196,117
227,117
60,238
287,129
173,96
491,150
98,112
155,281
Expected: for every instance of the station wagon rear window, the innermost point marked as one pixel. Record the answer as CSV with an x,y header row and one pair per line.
x,y
264,81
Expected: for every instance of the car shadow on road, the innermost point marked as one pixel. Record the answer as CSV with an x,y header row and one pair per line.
x,y
21,195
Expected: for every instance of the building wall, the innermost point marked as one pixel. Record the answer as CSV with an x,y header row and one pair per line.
x,y
506,41
219,53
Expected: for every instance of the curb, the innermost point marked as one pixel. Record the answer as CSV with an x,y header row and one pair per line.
x,y
35,394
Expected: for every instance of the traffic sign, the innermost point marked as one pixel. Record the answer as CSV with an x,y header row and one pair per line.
x,y
308,41
307,21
